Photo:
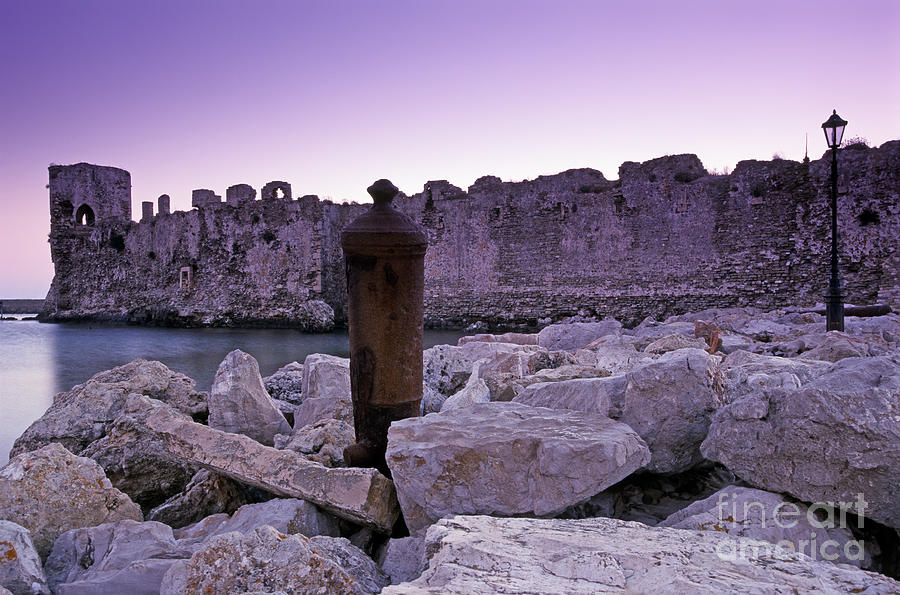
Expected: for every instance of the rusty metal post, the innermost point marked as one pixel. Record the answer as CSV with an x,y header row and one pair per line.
x,y
384,255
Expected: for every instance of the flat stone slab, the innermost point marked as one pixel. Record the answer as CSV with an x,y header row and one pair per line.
x,y
361,495
478,555
506,459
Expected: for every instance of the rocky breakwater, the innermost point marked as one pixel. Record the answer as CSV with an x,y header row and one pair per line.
x,y
713,452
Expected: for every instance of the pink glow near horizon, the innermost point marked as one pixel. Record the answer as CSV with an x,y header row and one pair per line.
x,y
330,96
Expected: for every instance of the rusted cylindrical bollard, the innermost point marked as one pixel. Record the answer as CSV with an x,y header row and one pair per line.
x,y
384,254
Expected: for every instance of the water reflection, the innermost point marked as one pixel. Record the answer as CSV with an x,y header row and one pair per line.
x,y
39,360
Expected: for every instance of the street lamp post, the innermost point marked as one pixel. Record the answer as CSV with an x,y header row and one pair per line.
x,y
834,301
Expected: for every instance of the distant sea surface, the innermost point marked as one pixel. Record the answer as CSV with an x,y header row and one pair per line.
x,y
39,360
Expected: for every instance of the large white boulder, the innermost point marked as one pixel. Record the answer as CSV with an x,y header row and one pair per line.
x,y
574,335
835,439
239,403
326,390
479,555
49,491
756,514
506,459
82,415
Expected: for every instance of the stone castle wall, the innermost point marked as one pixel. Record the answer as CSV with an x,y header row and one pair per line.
x,y
664,238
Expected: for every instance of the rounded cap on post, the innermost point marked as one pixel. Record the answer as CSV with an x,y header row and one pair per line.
x,y
383,226
382,192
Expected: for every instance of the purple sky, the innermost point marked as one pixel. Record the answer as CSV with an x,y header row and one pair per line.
x,y
332,95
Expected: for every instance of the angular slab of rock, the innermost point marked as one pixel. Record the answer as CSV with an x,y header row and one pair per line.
x,y
122,557
360,495
78,417
832,440
264,561
673,343
288,515
669,402
756,514
20,565
138,464
206,494
286,384
593,395
574,335
50,491
403,559
326,390
506,459
613,354
323,442
239,403
481,555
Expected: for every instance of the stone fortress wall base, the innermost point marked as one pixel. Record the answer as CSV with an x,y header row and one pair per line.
x,y
663,239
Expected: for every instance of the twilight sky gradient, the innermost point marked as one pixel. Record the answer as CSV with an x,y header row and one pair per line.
x,y
330,95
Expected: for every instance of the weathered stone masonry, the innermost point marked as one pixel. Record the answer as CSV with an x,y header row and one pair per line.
x,y
664,238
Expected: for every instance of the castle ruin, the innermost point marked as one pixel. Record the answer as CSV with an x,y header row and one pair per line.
x,y
664,238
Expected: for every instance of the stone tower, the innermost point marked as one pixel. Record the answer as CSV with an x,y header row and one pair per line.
x,y
89,205
82,195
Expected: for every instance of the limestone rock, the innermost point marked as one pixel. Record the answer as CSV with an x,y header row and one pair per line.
x,y
78,417
886,328
122,557
481,555
669,403
475,391
139,465
287,515
574,335
206,494
834,439
326,390
756,514
508,387
613,355
593,395
445,369
506,459
432,400
286,384
20,565
353,560
746,372
477,350
517,338
731,342
649,331
403,559
835,346
325,376
239,403
264,560
767,330
361,495
49,491
673,343
323,441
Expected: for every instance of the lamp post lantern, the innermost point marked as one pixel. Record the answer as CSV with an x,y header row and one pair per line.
x,y
834,301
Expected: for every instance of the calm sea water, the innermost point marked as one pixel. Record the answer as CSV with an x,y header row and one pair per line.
x,y
39,360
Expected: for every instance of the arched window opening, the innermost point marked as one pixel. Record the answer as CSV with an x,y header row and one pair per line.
x,y
84,215
279,192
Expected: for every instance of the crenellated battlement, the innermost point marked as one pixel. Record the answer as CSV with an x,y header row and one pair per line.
x,y
664,238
